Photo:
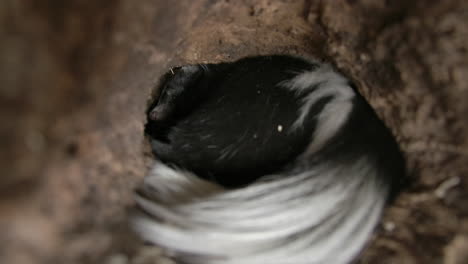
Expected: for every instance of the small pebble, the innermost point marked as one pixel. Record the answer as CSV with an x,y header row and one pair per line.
x,y
389,226
444,187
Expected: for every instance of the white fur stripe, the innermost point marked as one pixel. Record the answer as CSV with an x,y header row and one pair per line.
x,y
323,82
319,216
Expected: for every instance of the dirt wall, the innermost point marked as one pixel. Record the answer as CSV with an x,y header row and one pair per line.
x,y
75,78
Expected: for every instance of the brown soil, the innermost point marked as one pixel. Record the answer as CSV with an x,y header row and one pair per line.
x,y
76,76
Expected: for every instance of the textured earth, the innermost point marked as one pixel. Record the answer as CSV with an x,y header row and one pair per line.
x,y
76,77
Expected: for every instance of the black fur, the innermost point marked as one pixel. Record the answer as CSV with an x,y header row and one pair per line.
x,y
222,122
225,128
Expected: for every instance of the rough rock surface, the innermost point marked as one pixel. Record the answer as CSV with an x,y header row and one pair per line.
x,y
75,78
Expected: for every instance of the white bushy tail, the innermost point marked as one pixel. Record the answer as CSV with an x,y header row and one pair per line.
x,y
322,215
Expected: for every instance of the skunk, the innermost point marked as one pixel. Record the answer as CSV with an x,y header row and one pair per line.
x,y
268,159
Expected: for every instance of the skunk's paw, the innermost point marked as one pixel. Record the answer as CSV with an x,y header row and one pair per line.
x,y
163,150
